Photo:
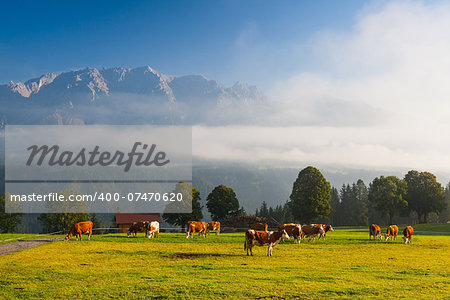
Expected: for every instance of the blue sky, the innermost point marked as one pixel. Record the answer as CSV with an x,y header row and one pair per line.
x,y
370,77
223,40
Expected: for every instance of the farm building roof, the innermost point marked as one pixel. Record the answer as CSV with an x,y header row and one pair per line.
x,y
130,218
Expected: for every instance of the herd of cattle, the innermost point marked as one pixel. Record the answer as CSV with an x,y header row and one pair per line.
x,y
257,235
391,233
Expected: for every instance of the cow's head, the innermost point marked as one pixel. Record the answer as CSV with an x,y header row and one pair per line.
x,y
386,237
405,240
329,228
284,235
128,233
68,236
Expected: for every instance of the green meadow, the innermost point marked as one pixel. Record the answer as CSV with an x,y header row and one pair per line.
x,y
345,265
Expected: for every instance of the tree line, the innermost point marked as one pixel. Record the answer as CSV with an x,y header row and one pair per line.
x,y
415,197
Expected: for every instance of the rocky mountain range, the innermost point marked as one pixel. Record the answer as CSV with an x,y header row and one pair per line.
x,y
125,96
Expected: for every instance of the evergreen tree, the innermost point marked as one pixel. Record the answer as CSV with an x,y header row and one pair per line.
x,y
444,216
264,211
362,197
334,217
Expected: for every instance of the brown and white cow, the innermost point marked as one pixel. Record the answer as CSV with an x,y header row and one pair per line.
x,y
137,227
213,226
326,228
153,229
263,238
80,228
194,226
312,231
407,234
294,230
391,232
259,227
375,231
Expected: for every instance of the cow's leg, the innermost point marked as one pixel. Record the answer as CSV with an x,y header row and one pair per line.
x,y
269,250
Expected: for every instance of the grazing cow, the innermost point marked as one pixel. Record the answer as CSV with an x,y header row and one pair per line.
x,y
80,228
391,232
326,228
294,230
153,229
407,234
137,227
375,231
312,231
194,226
259,227
213,226
263,238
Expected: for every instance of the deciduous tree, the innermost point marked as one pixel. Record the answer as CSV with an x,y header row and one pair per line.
x,y
310,196
222,202
388,195
424,194
191,200
8,222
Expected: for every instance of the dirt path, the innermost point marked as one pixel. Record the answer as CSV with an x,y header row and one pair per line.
x,y
21,245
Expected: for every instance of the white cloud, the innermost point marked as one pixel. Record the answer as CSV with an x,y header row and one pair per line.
x,y
379,97
396,58
350,147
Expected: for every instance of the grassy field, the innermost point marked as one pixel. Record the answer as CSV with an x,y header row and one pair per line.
x,y
347,265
